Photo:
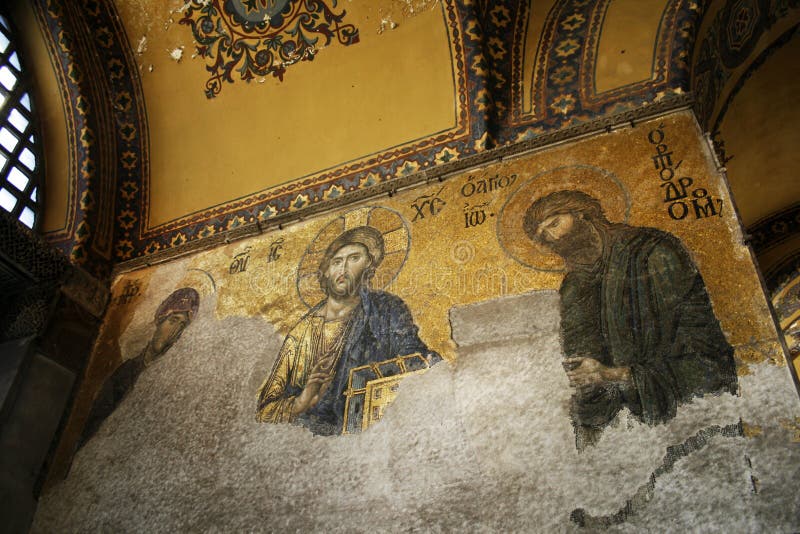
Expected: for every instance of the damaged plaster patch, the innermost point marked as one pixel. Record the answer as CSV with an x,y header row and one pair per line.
x,y
793,426
756,352
387,22
484,444
410,8
388,10
141,48
176,54
179,11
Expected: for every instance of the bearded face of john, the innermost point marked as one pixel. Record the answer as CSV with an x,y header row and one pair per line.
x,y
572,236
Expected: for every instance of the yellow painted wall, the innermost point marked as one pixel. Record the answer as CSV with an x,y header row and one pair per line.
x,y
780,26
390,88
536,19
776,256
626,50
395,86
761,135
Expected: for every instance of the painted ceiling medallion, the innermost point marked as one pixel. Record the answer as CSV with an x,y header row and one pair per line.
x,y
260,37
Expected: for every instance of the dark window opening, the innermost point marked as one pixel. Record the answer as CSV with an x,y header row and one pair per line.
x,y
20,153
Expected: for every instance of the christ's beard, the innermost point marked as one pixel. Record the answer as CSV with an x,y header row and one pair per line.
x,y
350,288
581,246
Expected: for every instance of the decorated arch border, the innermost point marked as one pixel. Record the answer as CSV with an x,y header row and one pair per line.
x,y
563,80
728,44
60,48
108,123
487,40
782,272
469,136
771,231
106,127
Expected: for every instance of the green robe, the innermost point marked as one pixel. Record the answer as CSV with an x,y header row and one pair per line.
x,y
644,306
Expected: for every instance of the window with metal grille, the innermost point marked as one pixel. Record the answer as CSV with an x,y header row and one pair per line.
x,y
20,154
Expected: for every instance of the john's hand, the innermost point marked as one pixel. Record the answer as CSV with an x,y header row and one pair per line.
x,y
584,372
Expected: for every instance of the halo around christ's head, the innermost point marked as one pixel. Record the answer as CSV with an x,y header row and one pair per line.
x,y
594,181
396,244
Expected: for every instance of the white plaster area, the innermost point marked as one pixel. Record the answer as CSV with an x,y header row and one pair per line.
x,y
482,445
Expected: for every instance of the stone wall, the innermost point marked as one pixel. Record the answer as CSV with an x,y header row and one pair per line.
x,y
484,444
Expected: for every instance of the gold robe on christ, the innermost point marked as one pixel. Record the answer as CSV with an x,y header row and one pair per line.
x,y
311,340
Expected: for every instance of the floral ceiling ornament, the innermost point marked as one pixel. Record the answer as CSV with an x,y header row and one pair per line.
x,y
256,38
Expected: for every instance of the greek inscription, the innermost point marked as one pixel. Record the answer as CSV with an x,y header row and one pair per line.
x,y
475,215
275,250
678,210
129,292
677,191
239,263
489,184
428,205
682,196
706,206
656,136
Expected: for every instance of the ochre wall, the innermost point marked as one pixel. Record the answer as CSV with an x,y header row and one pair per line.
x,y
533,34
494,417
743,71
761,142
626,50
716,81
385,91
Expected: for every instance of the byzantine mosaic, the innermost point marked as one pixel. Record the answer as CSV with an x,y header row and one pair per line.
x,y
596,293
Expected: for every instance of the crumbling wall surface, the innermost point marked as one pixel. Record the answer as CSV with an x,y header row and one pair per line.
x,y
483,444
